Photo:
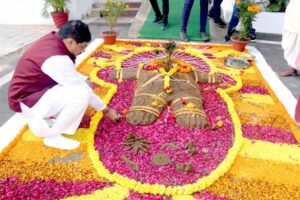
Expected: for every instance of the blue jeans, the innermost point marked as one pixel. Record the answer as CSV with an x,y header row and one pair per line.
x,y
188,4
215,10
235,20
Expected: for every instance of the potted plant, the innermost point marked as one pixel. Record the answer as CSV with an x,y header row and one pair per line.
x,y
59,14
112,11
277,5
247,13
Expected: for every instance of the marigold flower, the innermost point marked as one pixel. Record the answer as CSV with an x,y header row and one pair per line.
x,y
119,4
127,7
154,103
253,8
220,123
191,105
107,10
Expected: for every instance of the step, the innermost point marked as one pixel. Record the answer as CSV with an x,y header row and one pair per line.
x,y
122,21
132,3
129,12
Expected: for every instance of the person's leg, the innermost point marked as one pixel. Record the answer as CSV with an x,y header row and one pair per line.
x,y
211,12
233,23
217,9
188,4
291,49
289,72
69,118
217,14
67,104
252,34
203,19
165,22
158,15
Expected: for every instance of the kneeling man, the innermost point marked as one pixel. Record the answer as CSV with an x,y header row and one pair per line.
x,y
46,85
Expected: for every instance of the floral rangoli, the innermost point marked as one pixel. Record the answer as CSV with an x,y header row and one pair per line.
x,y
248,150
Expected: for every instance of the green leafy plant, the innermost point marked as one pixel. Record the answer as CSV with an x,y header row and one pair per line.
x,y
112,11
247,13
277,5
58,6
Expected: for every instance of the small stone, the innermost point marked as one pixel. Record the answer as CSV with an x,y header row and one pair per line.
x,y
180,167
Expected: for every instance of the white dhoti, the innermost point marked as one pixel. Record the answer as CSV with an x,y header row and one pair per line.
x,y
291,47
67,104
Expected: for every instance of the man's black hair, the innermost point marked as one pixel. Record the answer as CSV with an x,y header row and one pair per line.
x,y
76,30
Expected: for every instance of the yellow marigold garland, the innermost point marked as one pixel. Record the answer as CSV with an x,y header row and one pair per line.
x,y
167,77
115,192
201,184
235,76
146,188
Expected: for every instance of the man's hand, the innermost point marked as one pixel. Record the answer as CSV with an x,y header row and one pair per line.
x,y
111,114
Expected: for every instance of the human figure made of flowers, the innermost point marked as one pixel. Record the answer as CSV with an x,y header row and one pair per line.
x,y
162,82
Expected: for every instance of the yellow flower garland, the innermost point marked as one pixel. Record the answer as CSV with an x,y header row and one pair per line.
x,y
167,77
203,182
115,192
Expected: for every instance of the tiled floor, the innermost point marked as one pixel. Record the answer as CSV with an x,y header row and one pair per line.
x,y
14,37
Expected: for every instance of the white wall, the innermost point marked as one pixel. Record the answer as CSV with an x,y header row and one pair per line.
x,y
267,22
79,8
29,11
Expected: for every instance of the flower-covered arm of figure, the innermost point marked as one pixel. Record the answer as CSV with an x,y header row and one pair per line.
x,y
201,77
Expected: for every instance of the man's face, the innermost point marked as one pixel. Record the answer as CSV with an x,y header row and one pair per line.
x,y
74,47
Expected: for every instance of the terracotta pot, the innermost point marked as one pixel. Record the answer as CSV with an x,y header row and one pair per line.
x,y
59,18
239,45
109,37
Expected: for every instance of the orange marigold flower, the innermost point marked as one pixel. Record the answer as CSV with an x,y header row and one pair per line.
x,y
219,123
250,8
257,8
127,6
238,2
107,10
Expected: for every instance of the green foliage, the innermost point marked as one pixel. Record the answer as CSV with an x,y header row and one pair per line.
x,y
277,5
112,11
57,5
247,13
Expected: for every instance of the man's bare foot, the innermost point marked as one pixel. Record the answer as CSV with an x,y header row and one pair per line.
x,y
290,72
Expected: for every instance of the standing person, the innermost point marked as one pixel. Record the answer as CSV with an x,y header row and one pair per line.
x,y
234,22
161,17
46,85
291,38
215,13
188,4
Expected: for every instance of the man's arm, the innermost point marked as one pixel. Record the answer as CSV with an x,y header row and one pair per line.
x,y
62,70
